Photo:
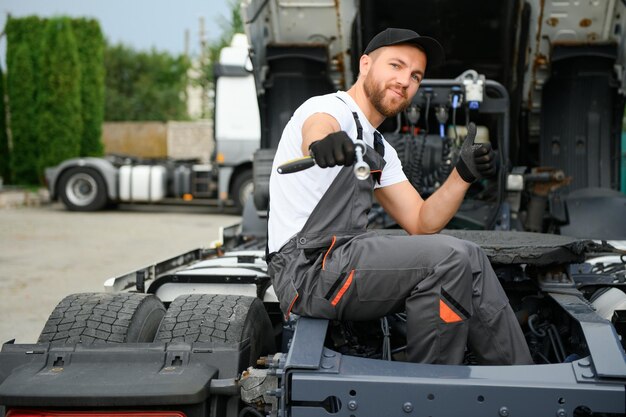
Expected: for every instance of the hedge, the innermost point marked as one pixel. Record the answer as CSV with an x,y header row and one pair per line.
x,y
90,43
22,89
59,117
5,156
144,86
23,40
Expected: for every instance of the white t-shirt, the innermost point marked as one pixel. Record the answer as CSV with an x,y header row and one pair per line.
x,y
294,196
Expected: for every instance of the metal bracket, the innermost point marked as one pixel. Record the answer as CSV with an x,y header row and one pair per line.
x,y
604,344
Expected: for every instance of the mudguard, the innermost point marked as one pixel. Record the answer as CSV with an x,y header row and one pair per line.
x,y
155,374
108,171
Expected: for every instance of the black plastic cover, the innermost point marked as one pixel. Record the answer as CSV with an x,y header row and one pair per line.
x,y
126,375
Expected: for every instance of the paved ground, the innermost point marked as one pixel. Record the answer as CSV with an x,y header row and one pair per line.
x,y
47,253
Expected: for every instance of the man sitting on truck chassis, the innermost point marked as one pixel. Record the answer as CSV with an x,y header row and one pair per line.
x,y
324,262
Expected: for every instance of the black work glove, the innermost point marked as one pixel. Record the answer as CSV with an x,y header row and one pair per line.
x,y
476,161
335,149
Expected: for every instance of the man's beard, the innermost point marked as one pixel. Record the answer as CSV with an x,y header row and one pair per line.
x,y
376,96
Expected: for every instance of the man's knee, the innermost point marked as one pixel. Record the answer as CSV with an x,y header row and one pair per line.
x,y
474,255
461,252
447,249
453,265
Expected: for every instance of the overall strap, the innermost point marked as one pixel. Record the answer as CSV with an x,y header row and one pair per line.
x,y
379,146
359,127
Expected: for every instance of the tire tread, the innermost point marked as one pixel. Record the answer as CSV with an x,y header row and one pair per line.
x,y
92,317
204,318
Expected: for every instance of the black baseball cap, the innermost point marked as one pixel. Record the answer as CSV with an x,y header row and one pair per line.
x,y
394,36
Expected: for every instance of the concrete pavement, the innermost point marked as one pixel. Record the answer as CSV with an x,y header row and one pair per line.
x,y
47,253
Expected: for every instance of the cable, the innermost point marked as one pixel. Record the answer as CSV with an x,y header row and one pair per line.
x,y
414,168
384,324
406,157
455,103
249,410
554,346
401,317
419,163
559,342
427,94
257,13
398,124
531,326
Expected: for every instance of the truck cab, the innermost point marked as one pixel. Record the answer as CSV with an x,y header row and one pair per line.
x,y
237,128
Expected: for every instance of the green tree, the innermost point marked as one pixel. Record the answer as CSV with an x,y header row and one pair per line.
x,y
90,44
229,28
59,121
212,52
5,156
21,89
25,30
144,86
23,60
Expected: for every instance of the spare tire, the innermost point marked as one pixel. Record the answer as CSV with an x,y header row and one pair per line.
x,y
219,318
101,317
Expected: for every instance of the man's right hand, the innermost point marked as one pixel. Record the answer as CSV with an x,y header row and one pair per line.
x,y
335,149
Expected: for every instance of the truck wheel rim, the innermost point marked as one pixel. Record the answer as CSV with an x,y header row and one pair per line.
x,y
81,189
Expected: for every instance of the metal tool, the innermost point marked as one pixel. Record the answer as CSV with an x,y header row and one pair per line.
x,y
361,168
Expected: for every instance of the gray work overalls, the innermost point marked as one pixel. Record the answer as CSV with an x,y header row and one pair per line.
x,y
335,268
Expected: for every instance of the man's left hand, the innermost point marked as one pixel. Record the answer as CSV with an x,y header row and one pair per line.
x,y
476,160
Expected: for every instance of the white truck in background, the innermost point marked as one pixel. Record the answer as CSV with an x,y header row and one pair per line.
x,y
89,184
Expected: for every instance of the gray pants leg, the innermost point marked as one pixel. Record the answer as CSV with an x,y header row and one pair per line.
x,y
494,335
451,295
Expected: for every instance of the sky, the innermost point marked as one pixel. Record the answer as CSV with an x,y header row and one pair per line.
x,y
141,24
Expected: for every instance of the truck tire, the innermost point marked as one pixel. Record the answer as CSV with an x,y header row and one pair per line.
x,y
100,317
218,318
82,189
242,189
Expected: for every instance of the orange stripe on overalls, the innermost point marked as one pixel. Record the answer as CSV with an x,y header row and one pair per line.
x,y
343,289
291,305
328,251
446,313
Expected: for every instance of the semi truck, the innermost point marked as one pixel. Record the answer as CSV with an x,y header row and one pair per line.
x,y
89,184
203,334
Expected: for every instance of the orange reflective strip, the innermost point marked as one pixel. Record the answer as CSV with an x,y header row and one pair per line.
x,y
376,170
327,252
343,289
291,305
446,313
